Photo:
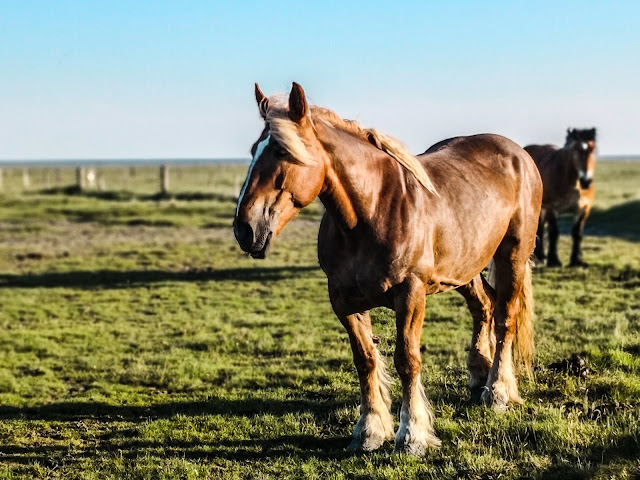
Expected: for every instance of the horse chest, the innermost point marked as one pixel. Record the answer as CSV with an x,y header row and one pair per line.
x,y
364,274
570,200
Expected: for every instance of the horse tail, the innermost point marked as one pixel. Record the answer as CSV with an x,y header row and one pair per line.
x,y
523,345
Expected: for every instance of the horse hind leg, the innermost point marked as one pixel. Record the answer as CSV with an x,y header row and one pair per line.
x,y
552,257
375,424
480,298
512,317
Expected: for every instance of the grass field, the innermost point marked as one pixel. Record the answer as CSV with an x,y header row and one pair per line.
x,y
138,342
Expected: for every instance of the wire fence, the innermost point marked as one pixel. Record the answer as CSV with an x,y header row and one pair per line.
x,y
163,179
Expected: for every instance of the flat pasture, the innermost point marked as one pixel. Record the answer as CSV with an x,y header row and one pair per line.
x,y
137,341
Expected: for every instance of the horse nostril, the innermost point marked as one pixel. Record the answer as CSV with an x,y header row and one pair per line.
x,y
243,233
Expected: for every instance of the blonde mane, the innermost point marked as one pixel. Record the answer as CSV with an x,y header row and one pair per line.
x,y
286,133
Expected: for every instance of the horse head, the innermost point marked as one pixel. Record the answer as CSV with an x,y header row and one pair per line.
x,y
286,173
582,144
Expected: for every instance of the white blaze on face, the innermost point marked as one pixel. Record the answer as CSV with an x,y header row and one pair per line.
x,y
585,176
259,149
588,175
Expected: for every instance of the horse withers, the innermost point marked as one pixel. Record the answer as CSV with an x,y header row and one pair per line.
x,y
397,228
567,176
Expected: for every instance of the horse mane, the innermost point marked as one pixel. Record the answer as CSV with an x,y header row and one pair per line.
x,y
286,133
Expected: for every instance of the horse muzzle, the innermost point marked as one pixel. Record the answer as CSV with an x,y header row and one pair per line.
x,y
585,182
254,241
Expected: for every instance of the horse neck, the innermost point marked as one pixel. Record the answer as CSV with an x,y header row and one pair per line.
x,y
352,187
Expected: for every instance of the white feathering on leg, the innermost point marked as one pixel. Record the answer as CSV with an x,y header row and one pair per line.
x,y
384,379
416,434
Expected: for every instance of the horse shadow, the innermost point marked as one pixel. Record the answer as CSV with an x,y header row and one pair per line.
x,y
125,443
74,411
611,222
115,279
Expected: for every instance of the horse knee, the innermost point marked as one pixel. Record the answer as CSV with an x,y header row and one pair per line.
x,y
364,361
407,362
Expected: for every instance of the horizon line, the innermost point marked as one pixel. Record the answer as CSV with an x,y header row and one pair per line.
x,y
79,160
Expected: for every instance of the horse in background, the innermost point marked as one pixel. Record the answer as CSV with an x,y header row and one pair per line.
x,y
567,176
397,228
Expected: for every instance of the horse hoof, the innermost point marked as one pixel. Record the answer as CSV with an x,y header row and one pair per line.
x,y
371,431
495,398
367,444
554,263
578,263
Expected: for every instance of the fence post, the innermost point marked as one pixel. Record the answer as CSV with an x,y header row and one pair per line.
x,y
26,181
80,178
90,177
102,185
164,179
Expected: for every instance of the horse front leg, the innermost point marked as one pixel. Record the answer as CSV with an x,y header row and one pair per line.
x,y
375,424
415,433
539,250
576,234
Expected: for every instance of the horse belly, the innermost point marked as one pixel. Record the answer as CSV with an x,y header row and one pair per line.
x,y
569,202
467,236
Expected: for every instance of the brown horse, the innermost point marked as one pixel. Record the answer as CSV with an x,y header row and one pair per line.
x,y
396,228
567,176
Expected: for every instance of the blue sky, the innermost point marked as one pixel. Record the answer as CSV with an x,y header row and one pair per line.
x,y
175,79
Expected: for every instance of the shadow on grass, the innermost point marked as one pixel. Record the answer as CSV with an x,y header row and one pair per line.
x,y
624,448
245,407
625,277
616,221
126,195
124,279
124,442
285,447
119,442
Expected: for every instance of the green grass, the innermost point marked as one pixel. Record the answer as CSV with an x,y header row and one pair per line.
x,y
137,341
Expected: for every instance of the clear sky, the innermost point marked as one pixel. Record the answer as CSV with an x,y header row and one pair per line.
x,y
122,79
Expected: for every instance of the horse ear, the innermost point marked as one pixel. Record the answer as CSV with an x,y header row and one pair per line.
x,y
298,108
373,140
263,102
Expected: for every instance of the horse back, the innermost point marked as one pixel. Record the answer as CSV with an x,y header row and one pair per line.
x,y
541,154
494,158
560,181
488,185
